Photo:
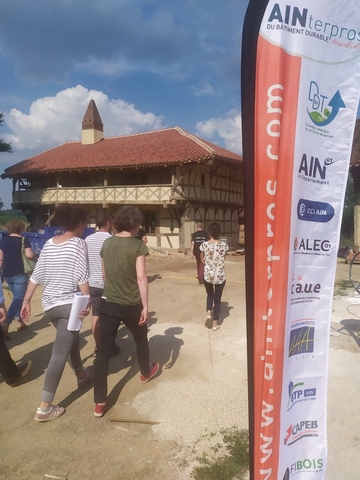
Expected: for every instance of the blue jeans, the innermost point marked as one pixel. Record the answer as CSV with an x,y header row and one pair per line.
x,y
17,285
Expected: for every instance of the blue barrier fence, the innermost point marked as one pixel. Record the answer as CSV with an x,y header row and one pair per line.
x,y
37,240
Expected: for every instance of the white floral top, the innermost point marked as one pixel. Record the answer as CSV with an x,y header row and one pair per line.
x,y
214,253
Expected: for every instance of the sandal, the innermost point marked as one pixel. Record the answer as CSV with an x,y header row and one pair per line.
x,y
88,373
54,412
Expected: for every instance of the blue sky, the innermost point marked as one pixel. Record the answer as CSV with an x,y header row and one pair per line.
x,y
148,64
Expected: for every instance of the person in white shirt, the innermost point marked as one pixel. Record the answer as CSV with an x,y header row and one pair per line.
x,y
62,270
96,282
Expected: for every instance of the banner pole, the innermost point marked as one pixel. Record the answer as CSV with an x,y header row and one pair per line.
x,y
251,28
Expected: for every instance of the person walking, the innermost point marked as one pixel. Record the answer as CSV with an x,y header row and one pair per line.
x,y
11,264
197,238
10,372
213,254
125,299
62,270
94,243
141,235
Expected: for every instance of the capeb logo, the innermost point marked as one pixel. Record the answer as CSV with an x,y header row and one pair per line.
x,y
312,211
300,430
322,109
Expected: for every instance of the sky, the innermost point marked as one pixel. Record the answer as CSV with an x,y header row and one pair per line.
x,y
148,64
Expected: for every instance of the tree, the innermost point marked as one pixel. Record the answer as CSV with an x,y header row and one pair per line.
x,y
4,146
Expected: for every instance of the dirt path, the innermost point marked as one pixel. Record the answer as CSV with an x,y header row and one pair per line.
x,y
202,388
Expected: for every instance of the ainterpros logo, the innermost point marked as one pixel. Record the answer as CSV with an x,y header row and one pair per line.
x,y
300,21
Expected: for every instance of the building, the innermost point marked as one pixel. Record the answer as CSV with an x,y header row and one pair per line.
x,y
174,177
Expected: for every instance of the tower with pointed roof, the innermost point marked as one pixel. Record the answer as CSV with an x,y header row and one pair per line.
x,y
92,126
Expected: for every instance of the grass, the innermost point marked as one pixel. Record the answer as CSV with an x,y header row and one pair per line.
x,y
228,460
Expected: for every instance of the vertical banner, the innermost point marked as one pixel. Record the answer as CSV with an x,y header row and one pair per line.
x,y
300,94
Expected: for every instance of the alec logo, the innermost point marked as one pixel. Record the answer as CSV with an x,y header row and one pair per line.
x,y
300,430
306,465
323,109
308,246
313,211
299,394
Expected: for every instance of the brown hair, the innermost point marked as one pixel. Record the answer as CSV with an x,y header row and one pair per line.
x,y
127,218
69,216
16,226
215,230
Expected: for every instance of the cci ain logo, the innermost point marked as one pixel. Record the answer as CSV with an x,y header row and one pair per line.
x,y
323,109
300,430
312,211
298,394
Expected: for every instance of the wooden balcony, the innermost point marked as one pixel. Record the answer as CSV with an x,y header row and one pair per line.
x,y
144,194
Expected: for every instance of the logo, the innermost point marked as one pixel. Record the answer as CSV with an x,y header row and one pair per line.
x,y
58,231
313,170
298,288
312,211
323,110
307,246
307,465
302,337
300,430
299,394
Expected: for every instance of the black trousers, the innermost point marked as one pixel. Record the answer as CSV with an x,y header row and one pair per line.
x,y
110,317
214,293
8,369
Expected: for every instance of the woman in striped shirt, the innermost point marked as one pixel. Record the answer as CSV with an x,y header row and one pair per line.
x,y
62,270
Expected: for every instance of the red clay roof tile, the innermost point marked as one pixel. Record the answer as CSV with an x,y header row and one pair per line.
x,y
162,147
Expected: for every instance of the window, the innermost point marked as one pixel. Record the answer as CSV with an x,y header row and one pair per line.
x,y
149,222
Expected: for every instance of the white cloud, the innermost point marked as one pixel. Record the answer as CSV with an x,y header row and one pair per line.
x,y
228,129
54,120
204,89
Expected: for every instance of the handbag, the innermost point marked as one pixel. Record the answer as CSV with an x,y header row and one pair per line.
x,y
29,263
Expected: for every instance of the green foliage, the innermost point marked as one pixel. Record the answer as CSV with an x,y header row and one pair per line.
x,y
233,464
4,146
7,215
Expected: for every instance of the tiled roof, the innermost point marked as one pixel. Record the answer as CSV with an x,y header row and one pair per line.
x,y
355,152
162,147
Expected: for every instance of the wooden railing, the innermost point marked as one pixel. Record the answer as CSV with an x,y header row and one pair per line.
x,y
151,194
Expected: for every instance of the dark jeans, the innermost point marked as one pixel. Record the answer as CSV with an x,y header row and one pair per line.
x,y
110,317
8,369
214,292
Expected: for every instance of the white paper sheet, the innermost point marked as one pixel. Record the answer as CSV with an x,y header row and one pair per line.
x,y
79,304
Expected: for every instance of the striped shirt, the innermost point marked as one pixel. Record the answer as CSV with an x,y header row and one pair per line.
x,y
94,243
61,268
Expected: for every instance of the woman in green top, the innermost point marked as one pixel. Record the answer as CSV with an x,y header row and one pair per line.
x,y
125,299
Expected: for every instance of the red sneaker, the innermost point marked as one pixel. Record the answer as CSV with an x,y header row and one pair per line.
x,y
154,368
101,408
